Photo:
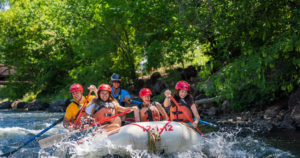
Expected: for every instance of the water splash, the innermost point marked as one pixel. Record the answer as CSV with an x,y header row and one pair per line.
x,y
228,144
16,128
216,144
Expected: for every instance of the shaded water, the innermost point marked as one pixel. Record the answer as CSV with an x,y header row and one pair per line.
x,y
17,127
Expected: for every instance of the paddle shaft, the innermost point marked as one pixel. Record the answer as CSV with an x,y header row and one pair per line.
x,y
107,119
33,138
187,116
47,142
80,112
208,123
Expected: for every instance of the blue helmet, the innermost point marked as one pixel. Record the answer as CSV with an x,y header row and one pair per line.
x,y
115,77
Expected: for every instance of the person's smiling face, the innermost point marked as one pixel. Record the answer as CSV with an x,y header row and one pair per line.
x,y
116,84
182,94
77,95
104,95
146,98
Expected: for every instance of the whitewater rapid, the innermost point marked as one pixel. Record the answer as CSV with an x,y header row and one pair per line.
x,y
17,127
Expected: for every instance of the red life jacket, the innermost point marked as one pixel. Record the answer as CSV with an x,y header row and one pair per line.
x,y
149,113
177,115
104,111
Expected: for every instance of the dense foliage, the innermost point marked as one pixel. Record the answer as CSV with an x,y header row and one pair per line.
x,y
257,43
253,46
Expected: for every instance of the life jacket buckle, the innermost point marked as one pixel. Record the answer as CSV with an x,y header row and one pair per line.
x,y
108,114
178,120
177,112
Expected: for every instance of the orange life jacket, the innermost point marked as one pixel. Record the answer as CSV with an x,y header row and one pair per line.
x,y
104,111
177,115
149,113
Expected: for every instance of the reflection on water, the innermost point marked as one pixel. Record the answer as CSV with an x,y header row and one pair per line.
x,y
16,128
285,140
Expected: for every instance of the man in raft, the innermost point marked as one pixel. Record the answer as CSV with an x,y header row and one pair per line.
x,y
75,106
121,95
106,106
150,111
185,101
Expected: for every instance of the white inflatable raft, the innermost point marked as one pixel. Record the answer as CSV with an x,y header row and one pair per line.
x,y
168,137
158,137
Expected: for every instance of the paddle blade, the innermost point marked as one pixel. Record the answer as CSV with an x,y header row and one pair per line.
x,y
50,141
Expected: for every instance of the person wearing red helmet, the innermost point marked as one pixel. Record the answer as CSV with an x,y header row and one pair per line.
x,y
72,111
185,101
106,106
150,111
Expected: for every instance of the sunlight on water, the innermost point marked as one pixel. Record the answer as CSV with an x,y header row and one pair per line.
x,y
6,115
13,131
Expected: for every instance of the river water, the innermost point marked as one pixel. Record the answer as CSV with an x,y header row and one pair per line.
x,y
18,127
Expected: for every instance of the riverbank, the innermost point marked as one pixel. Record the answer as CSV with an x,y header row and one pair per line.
x,y
279,116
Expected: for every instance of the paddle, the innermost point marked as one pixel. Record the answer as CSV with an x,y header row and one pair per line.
x,y
47,142
107,119
33,138
52,140
80,112
190,119
208,123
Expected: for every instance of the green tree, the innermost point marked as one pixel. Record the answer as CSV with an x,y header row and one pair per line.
x,y
258,44
252,45
35,44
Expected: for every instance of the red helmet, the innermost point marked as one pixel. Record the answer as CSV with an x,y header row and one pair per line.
x,y
145,91
104,87
76,87
182,85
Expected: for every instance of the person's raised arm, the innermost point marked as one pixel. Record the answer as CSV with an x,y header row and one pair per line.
x,y
162,111
93,88
135,109
136,114
167,101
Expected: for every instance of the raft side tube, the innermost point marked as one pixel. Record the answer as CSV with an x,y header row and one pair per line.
x,y
176,136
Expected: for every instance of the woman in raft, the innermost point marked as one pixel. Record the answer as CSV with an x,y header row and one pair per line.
x,y
185,101
150,111
106,106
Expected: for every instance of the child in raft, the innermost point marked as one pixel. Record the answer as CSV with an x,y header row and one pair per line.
x,y
106,106
185,101
150,111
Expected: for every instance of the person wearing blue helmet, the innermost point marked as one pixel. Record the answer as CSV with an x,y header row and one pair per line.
x,y
121,95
